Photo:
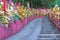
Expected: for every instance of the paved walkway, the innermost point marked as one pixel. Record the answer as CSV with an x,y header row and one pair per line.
x,y
38,29
48,27
48,31
30,32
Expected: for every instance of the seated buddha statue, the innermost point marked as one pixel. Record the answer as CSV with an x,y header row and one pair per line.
x,y
19,12
3,17
1,12
5,21
56,12
51,13
16,16
29,12
10,12
32,10
25,12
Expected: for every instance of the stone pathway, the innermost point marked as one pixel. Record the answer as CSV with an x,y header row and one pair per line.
x,y
38,29
30,32
48,31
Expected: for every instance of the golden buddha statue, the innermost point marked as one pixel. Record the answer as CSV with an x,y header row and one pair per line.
x,y
1,4
42,14
33,10
5,21
29,12
56,12
51,13
20,11
3,17
1,11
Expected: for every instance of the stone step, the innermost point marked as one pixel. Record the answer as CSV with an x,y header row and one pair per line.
x,y
49,37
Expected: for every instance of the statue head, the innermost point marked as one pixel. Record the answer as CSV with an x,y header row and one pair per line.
x,y
1,4
56,8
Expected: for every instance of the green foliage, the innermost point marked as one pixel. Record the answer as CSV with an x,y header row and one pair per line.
x,y
38,3
44,3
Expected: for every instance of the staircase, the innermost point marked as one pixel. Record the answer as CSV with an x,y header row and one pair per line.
x,y
48,31
49,37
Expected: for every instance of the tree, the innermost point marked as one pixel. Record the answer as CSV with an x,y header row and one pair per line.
x,y
44,3
38,3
